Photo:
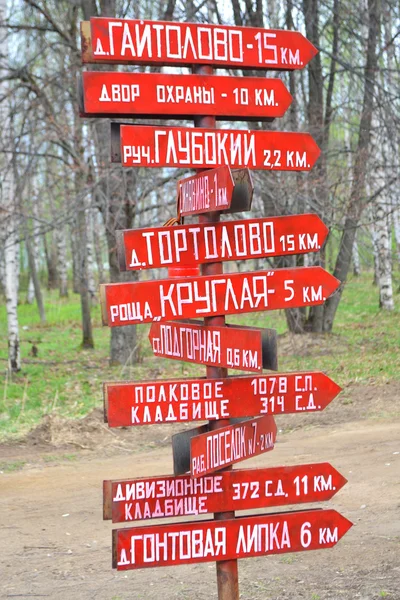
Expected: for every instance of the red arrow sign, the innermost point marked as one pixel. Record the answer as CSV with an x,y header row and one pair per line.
x,y
156,247
147,301
148,146
169,496
166,43
223,447
163,95
243,537
207,191
178,401
245,348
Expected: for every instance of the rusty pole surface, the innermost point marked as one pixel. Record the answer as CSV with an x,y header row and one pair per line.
x,y
227,570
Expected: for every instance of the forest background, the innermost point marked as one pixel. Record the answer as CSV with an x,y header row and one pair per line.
x,y
61,199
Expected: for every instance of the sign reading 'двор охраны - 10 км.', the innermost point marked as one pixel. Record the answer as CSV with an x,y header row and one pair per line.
x,y
198,148
248,489
186,298
163,95
157,247
166,43
178,401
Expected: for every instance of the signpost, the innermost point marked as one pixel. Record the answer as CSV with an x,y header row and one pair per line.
x,y
247,489
186,298
156,42
234,347
157,95
178,401
243,537
156,247
205,148
222,158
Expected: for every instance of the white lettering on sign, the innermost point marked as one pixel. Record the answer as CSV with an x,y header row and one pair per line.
x,y
176,42
226,242
236,149
186,343
149,393
176,545
119,92
175,94
195,194
263,537
252,293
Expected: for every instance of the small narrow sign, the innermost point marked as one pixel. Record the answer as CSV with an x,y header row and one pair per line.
x,y
165,95
187,298
155,247
197,148
243,537
165,43
178,401
247,489
207,191
244,348
221,448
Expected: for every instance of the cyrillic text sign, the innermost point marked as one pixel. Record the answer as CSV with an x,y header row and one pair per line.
x,y
147,301
169,496
243,537
167,43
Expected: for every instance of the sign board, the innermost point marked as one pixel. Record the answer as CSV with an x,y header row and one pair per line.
x,y
198,148
170,43
146,301
208,191
225,446
243,537
156,247
160,95
245,348
248,489
181,400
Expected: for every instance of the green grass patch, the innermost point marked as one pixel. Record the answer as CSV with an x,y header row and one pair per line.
x,y
66,380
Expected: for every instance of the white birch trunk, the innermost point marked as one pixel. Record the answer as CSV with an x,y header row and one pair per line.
x,y
374,243
381,216
9,221
62,261
384,254
30,296
92,288
356,259
396,227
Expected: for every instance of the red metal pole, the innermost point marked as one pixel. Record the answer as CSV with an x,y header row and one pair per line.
x,y
227,570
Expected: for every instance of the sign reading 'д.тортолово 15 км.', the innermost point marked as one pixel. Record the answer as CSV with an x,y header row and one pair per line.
x,y
199,243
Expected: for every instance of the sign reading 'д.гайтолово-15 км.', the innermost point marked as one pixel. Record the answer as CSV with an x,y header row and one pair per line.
x,y
165,43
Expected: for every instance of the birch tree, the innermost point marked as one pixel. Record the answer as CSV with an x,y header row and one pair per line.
x,y
8,208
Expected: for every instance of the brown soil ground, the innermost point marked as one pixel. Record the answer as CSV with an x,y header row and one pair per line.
x,y
55,545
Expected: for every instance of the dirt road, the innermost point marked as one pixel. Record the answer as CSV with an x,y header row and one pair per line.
x,y
55,544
